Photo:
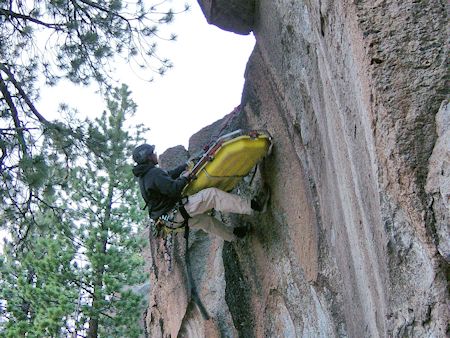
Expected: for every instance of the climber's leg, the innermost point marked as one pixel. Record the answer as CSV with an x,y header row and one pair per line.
x,y
213,198
213,226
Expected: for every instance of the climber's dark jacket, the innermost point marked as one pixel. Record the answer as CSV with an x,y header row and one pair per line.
x,y
160,189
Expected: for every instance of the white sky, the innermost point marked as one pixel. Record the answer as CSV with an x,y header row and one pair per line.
x,y
204,85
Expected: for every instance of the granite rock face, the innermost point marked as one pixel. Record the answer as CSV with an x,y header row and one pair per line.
x,y
236,16
356,239
438,181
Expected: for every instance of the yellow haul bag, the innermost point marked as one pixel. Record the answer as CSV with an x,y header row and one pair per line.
x,y
228,160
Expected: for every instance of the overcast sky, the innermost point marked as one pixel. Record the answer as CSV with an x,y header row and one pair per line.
x,y
204,85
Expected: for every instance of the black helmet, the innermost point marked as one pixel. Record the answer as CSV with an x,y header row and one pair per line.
x,y
142,153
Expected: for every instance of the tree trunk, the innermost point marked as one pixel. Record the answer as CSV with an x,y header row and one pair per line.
x,y
98,283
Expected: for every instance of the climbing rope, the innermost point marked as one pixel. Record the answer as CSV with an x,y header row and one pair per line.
x,y
164,228
191,284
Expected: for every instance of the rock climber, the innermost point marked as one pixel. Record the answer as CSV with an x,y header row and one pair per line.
x,y
161,191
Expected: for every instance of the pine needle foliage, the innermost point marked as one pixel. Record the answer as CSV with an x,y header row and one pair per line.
x,y
77,40
38,286
107,215
75,273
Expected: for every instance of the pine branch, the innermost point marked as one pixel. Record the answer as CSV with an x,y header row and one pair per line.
x,y
23,94
14,113
103,9
23,213
107,315
4,154
11,14
81,286
55,209
33,220
21,128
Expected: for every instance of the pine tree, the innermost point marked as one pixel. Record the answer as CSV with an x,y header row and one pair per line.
x,y
44,42
73,275
107,213
38,285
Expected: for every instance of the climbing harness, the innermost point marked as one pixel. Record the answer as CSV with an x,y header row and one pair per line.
x,y
165,227
165,224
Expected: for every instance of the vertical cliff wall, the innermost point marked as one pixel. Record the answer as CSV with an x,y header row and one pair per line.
x,y
356,239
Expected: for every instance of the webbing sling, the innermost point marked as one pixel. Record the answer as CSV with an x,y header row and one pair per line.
x,y
183,213
194,293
